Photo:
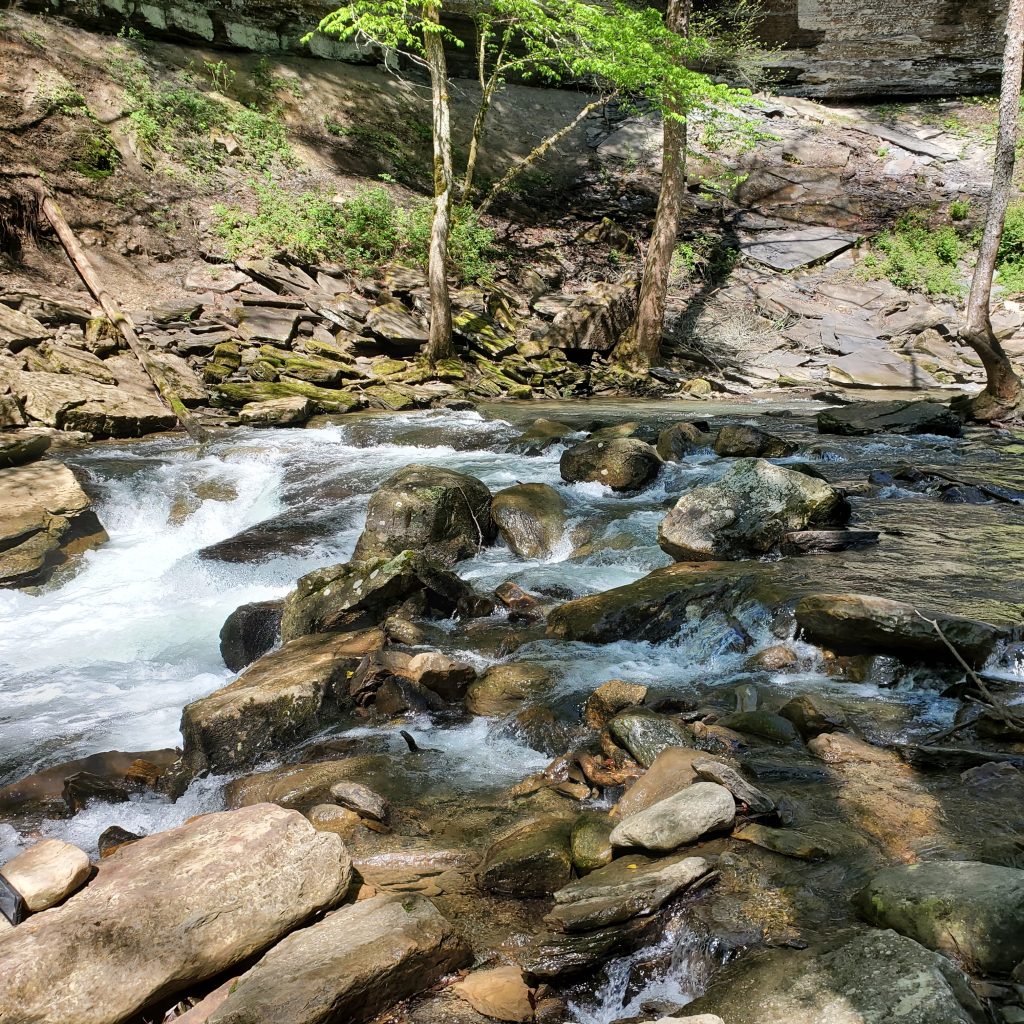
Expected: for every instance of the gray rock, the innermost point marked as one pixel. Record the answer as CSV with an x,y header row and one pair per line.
x,y
284,697
863,977
966,909
691,813
645,733
626,888
47,873
861,623
747,512
361,799
442,514
351,966
890,417
742,441
624,464
530,519
167,912
249,632
764,724
393,324
743,791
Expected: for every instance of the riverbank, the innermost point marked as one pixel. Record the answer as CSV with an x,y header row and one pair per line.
x,y
478,820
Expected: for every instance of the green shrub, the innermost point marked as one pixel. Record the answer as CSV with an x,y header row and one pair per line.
x,y
364,232
1010,262
916,256
959,209
178,119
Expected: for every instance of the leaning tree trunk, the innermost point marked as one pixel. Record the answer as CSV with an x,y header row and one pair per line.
x,y
1002,394
640,346
439,344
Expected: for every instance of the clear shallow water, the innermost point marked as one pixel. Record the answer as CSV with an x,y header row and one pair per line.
x,y
106,658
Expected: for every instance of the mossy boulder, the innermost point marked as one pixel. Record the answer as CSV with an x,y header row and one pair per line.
x,y
747,512
358,594
967,909
645,733
326,400
504,689
590,843
444,514
680,440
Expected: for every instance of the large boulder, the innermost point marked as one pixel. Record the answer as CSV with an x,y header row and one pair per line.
x,y
623,464
351,966
861,623
656,607
249,632
533,860
44,517
967,909
284,697
442,514
682,818
747,512
168,911
863,977
530,519
355,595
890,417
739,441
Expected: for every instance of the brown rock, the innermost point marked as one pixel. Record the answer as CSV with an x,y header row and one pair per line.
x,y
500,993
48,873
671,772
609,699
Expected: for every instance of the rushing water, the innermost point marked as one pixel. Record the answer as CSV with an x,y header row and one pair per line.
x,y
106,656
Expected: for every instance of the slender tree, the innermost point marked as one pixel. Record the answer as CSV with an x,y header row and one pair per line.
x,y
1002,393
640,346
415,28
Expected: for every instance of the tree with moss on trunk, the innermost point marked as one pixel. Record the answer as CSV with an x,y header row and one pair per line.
x,y
1001,396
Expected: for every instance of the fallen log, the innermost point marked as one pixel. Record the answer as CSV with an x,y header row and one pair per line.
x,y
51,211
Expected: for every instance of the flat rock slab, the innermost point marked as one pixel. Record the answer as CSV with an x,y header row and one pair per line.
x,y
904,140
682,818
878,368
791,249
349,967
168,911
899,417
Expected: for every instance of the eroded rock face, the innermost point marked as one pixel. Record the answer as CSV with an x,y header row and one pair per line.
x,y
351,966
442,514
863,623
530,519
284,697
168,911
747,512
963,908
857,979
623,464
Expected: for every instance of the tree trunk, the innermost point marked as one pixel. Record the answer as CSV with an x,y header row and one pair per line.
x,y
439,344
1002,394
640,346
